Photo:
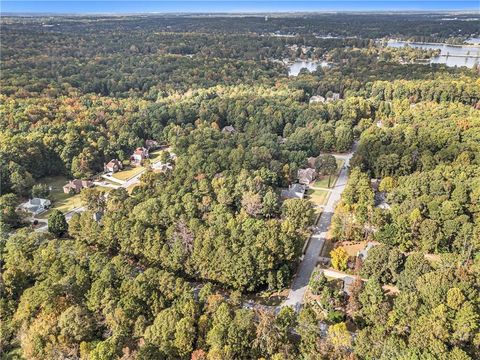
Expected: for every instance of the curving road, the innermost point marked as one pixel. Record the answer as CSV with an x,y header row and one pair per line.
x,y
317,240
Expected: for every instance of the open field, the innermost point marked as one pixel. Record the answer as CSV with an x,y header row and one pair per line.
x,y
60,200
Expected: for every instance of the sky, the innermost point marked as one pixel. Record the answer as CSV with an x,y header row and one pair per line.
x,y
155,6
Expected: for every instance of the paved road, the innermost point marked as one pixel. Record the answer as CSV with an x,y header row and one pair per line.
x,y
68,216
317,240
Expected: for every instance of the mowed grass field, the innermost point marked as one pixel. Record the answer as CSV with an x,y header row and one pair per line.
x,y
322,182
318,197
60,200
128,173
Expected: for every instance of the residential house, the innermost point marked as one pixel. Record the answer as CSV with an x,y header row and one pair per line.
x,y
317,99
333,97
151,144
362,254
348,282
311,162
139,155
294,191
113,166
229,129
380,197
97,216
306,176
36,206
162,167
75,186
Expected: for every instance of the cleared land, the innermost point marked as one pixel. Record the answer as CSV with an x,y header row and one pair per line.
x,y
60,200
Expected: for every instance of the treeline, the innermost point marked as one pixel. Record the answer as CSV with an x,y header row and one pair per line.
x,y
418,27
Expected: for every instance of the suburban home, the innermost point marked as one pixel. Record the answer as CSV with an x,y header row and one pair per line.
x,y
317,99
380,197
306,176
113,166
36,206
97,216
151,144
348,282
294,191
75,186
362,254
333,97
311,162
229,129
139,155
162,167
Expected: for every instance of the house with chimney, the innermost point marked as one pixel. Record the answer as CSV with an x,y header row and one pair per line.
x,y
36,206
113,166
75,186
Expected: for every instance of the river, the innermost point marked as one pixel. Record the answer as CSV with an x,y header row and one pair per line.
x,y
450,55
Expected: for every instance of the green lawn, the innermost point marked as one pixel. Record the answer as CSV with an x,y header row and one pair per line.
x,y
60,200
323,180
318,197
128,173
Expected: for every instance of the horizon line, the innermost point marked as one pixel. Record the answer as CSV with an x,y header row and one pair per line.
x,y
253,12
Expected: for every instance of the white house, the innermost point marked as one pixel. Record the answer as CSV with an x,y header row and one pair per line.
x,y
36,206
139,155
317,99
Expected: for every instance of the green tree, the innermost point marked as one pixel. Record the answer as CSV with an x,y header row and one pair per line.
x,y
339,337
339,258
40,191
9,218
326,165
22,182
57,225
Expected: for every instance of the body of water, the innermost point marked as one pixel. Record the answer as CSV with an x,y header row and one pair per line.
x,y
450,55
310,65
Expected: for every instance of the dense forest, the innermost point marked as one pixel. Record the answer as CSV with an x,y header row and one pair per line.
x,y
171,268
